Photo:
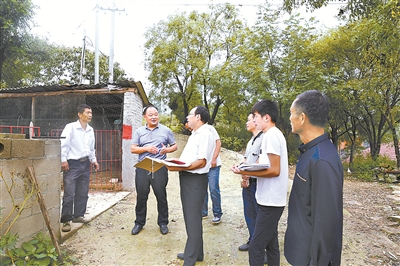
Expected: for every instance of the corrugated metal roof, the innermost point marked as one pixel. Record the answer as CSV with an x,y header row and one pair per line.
x,y
57,87
7,92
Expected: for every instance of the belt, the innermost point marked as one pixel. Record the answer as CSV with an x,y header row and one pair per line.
x,y
189,173
253,180
83,159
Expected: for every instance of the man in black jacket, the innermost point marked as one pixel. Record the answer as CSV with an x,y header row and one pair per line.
x,y
315,218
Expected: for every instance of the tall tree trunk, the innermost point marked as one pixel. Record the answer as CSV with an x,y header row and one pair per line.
x,y
184,101
334,135
374,133
396,146
352,134
2,59
392,125
375,150
215,111
352,151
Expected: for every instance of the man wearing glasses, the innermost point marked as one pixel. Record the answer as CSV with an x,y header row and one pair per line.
x,y
153,140
193,181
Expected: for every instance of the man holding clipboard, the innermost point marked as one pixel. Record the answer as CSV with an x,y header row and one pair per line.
x,y
193,182
152,140
272,185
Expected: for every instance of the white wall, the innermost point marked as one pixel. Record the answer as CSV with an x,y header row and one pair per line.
x,y
132,120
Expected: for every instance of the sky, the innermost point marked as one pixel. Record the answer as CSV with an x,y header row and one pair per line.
x,y
66,22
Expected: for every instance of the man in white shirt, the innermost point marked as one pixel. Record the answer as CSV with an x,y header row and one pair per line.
x,y
249,186
193,182
77,157
213,180
271,185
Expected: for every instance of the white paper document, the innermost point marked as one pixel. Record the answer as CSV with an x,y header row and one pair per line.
x,y
253,166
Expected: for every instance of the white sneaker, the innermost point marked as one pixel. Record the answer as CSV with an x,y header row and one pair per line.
x,y
216,220
81,220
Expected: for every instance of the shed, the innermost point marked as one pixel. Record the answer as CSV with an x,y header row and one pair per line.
x,y
117,112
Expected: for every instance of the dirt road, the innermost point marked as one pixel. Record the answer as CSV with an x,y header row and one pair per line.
x,y
369,237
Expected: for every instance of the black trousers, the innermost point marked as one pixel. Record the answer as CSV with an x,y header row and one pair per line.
x,y
76,190
193,190
158,181
266,235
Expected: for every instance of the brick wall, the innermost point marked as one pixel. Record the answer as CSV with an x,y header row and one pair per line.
x,y
16,154
133,106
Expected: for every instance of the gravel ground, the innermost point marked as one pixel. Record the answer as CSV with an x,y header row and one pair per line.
x,y
370,238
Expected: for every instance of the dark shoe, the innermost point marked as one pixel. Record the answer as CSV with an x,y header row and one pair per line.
x,y
136,229
181,256
164,229
205,216
216,220
81,219
244,247
66,227
265,258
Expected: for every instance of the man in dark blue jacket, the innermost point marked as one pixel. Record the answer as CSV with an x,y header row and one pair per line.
x,y
315,218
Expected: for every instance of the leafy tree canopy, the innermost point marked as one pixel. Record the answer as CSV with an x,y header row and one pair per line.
x,y
352,9
42,63
15,19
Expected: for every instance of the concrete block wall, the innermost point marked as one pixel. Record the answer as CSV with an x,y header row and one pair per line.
x,y
133,107
44,156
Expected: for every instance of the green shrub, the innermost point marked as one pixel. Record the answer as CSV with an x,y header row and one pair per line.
x,y
293,142
233,143
170,121
38,251
364,167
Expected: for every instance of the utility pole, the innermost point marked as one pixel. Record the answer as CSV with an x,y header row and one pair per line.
x,y
83,71
111,56
96,48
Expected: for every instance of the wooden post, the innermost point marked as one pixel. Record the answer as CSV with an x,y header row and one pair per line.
x,y
43,208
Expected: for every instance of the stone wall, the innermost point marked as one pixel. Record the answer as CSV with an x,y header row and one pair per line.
x,y
16,155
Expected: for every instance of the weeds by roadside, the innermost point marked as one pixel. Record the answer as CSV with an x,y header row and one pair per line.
x,y
40,249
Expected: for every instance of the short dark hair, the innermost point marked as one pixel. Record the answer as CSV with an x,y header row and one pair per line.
x,y
81,108
147,107
203,112
315,105
266,107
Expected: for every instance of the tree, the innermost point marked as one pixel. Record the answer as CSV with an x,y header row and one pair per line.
x,y
382,52
280,56
15,19
172,64
353,9
64,66
23,68
337,60
361,61
45,64
193,59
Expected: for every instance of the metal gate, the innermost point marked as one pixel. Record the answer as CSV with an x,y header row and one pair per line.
x,y
109,156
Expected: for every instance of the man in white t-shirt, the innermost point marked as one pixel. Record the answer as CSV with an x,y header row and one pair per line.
x,y
272,185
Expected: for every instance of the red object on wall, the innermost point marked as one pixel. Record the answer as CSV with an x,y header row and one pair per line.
x,y
126,132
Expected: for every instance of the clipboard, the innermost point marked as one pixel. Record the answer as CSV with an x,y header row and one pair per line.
x,y
253,166
153,164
